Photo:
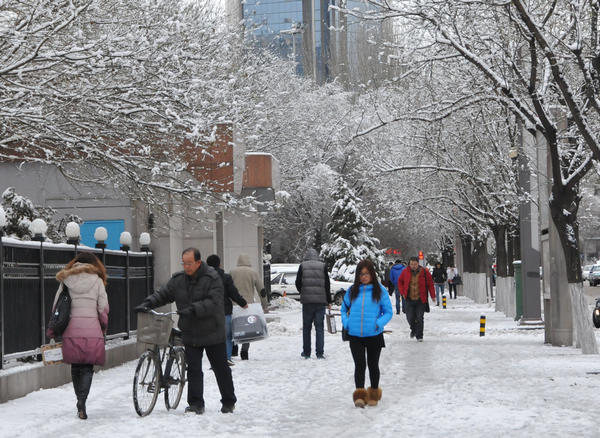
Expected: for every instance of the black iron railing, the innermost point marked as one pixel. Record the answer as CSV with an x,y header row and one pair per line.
x,y
28,286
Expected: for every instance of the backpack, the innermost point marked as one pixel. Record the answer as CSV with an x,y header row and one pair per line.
x,y
62,312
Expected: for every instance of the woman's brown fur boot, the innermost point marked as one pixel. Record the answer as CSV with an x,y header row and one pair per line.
x,y
373,396
360,397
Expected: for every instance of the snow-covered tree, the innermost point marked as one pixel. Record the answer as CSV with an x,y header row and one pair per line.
x,y
538,59
350,233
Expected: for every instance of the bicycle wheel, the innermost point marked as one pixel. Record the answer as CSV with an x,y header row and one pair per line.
x,y
146,383
174,378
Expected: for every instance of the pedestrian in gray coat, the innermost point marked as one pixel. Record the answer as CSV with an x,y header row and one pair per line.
x,y
312,282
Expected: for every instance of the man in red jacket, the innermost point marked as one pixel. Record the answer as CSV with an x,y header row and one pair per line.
x,y
413,284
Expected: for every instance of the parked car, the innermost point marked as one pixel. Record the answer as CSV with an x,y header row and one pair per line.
x,y
585,272
594,275
283,281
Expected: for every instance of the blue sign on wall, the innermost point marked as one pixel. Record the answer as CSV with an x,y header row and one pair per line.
x,y
114,228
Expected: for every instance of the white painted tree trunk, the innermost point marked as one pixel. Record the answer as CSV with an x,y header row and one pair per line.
x,y
475,286
582,322
503,291
468,287
480,281
511,298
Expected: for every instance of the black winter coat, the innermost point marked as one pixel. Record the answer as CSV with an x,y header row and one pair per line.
x,y
439,275
231,292
204,292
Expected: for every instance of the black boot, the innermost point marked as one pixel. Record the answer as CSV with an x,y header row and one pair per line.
x,y
75,376
244,355
82,384
234,350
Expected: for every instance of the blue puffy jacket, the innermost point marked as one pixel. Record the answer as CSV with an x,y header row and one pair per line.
x,y
395,274
366,317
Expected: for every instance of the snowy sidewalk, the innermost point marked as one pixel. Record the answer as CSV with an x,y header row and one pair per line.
x,y
453,384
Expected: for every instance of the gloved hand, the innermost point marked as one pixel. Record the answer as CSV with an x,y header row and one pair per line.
x,y
187,311
141,308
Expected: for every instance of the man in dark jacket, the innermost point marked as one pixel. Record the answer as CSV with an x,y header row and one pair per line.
x,y
231,293
312,282
198,294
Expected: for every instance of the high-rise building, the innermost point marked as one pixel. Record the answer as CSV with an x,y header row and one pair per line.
x,y
324,43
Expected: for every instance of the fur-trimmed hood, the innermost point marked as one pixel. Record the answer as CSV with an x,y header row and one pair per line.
x,y
80,277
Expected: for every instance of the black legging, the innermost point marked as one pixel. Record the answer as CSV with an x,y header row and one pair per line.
x,y
358,347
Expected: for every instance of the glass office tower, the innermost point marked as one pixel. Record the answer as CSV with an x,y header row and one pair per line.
x,y
294,29
325,44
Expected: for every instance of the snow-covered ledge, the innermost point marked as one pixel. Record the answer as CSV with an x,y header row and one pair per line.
x,y
20,380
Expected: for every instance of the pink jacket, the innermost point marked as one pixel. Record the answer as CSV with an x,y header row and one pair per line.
x,y
83,340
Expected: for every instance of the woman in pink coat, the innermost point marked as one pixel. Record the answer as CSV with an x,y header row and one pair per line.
x,y
83,339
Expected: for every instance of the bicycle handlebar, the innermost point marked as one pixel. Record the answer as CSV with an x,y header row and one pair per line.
x,y
154,312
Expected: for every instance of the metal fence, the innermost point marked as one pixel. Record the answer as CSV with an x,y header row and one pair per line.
x,y
28,286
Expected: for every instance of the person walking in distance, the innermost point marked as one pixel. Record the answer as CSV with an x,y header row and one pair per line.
x,y
231,294
83,339
250,285
366,309
395,272
439,279
414,283
312,282
451,274
198,293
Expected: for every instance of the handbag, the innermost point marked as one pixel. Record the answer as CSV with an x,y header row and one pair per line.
x,y
62,312
52,354
248,325
457,280
345,334
331,328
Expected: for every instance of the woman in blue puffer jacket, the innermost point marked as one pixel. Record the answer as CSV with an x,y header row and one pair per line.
x,y
366,309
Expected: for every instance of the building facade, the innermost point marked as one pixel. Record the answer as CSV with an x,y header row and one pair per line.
x,y
324,43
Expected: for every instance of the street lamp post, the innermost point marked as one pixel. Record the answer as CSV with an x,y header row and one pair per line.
x,y
529,231
145,246
73,232
101,235
125,240
295,29
38,228
2,225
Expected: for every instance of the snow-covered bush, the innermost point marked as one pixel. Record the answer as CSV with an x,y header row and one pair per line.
x,y
21,211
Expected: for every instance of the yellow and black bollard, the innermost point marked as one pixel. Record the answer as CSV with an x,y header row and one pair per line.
x,y
444,301
482,325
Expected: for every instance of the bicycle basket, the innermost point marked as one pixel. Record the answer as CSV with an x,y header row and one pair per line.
x,y
154,329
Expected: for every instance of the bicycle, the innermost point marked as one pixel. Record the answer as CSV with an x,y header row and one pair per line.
x,y
150,380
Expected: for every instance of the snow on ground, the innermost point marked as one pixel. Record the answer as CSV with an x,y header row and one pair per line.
x,y
454,384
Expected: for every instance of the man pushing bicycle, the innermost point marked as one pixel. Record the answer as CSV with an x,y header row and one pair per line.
x,y
198,294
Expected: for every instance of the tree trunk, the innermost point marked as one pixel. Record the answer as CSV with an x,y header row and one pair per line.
x,y
501,256
564,206
504,281
510,253
478,276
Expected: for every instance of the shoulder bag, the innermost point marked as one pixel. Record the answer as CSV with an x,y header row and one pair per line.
x,y
62,312
345,335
